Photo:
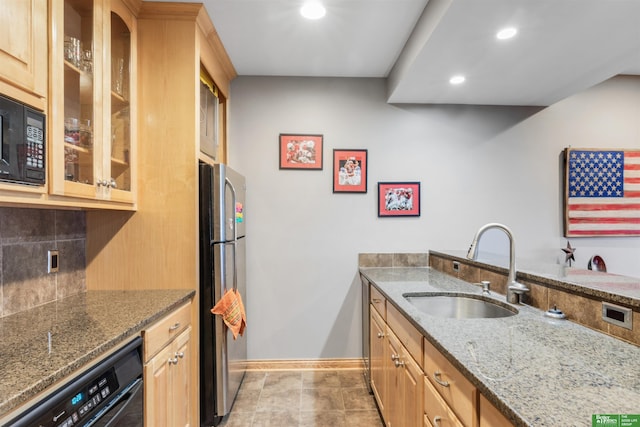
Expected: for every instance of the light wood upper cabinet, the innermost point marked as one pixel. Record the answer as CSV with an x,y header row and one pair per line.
x,y
23,51
92,126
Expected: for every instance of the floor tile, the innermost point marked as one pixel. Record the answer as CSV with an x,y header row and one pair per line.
x,y
239,419
278,400
289,418
321,399
356,399
283,380
320,379
304,398
323,419
369,418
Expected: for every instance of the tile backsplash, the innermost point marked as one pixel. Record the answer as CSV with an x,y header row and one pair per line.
x,y
26,236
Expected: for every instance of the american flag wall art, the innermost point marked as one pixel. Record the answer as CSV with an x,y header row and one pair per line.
x,y
602,192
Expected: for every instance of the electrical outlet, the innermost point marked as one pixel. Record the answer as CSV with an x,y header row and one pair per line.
x,y
52,261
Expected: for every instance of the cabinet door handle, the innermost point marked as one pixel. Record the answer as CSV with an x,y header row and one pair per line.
x,y
436,420
174,326
380,335
376,300
180,354
399,363
436,378
173,361
395,357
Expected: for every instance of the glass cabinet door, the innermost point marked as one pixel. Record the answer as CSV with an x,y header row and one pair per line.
x,y
79,92
92,101
120,177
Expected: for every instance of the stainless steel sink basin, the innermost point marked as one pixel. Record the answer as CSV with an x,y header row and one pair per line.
x,y
456,306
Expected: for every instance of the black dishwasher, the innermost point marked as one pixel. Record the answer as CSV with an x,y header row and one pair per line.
x,y
107,394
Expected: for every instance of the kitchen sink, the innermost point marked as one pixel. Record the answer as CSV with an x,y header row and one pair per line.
x,y
457,306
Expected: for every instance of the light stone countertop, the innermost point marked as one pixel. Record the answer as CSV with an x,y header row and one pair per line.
x,y
538,371
83,327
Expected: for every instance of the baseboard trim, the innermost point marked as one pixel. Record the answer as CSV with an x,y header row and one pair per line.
x,y
312,364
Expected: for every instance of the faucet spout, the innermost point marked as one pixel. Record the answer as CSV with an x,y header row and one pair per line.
x,y
514,288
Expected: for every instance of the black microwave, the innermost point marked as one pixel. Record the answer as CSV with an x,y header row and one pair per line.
x,y
22,137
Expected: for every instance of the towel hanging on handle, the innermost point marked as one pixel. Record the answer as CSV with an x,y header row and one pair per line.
x,y
231,309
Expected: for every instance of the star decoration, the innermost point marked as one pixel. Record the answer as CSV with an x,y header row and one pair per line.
x,y
569,251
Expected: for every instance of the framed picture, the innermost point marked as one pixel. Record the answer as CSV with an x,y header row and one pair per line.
x,y
350,171
300,151
398,199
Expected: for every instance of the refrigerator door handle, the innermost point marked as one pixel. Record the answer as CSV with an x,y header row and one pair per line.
x,y
228,183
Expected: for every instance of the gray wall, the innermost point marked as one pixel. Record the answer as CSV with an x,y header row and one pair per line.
x,y
25,237
477,164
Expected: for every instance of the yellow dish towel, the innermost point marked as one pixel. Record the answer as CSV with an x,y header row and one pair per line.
x,y
231,309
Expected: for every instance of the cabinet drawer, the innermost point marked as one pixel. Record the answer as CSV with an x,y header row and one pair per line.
x,y
408,335
436,410
378,302
159,334
454,388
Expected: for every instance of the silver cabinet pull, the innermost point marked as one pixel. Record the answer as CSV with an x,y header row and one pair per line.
x,y
399,363
175,326
395,357
180,354
380,335
436,377
376,300
173,361
437,419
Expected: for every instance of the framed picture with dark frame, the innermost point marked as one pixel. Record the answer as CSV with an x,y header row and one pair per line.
x,y
350,171
300,151
398,199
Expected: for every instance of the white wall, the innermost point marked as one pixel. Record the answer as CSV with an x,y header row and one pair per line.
x,y
477,164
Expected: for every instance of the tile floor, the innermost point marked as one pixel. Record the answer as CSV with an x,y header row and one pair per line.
x,y
305,398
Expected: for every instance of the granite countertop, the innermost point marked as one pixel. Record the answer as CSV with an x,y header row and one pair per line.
x,y
82,327
538,371
611,287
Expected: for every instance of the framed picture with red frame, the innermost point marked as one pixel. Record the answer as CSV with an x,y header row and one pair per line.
x,y
398,199
350,171
300,151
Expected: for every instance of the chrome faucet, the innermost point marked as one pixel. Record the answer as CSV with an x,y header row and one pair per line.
x,y
514,288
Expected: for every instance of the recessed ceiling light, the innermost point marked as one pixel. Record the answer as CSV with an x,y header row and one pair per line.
x,y
456,80
506,33
313,10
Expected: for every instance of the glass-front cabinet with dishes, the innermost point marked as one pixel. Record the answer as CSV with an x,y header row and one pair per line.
x,y
93,100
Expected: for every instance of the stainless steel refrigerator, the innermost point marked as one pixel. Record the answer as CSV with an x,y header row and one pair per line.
x,y
222,267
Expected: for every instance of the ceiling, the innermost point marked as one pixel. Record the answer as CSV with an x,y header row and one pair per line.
x,y
562,46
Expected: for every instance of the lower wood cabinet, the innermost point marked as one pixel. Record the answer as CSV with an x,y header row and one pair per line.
x,y
490,416
458,394
167,372
411,378
396,378
378,351
413,383
436,410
